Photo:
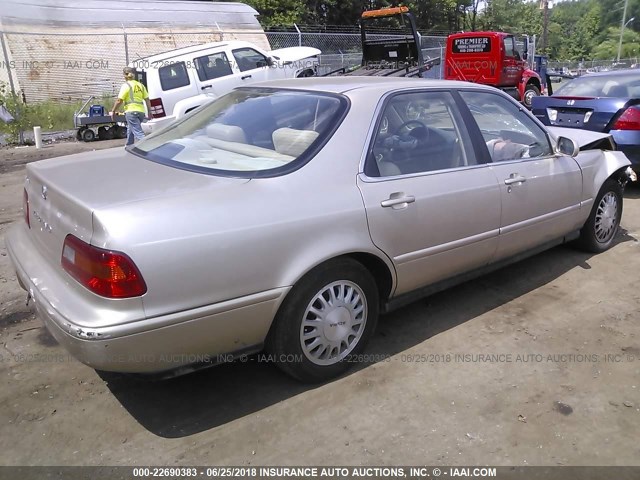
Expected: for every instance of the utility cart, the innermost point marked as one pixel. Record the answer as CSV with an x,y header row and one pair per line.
x,y
93,124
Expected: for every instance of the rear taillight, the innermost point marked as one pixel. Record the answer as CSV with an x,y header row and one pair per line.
x,y
25,207
629,120
157,108
104,272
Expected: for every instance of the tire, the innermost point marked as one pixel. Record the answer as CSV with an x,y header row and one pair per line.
x,y
530,92
599,232
306,73
88,135
120,132
340,329
103,133
79,133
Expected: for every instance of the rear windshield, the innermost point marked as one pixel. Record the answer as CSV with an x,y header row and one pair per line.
x,y
248,133
615,86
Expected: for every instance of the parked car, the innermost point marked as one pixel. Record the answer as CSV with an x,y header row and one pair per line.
x,y
603,102
288,215
181,80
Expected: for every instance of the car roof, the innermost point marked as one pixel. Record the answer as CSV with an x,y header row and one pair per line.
x,y
342,84
615,73
195,49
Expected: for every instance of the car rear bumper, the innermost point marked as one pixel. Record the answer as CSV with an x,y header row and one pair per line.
x,y
205,335
628,141
156,124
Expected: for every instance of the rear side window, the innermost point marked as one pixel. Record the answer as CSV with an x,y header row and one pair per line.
x,y
173,76
248,59
213,66
419,132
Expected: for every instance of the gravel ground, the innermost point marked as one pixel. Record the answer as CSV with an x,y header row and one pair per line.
x,y
536,364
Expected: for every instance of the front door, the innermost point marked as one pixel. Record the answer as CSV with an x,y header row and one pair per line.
x,y
540,189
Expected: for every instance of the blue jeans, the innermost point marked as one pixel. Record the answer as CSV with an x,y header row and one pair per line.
x,y
134,127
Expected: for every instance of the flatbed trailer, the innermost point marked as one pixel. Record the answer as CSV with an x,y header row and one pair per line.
x,y
389,54
102,127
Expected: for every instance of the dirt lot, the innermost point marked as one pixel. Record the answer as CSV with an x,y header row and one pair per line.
x,y
563,390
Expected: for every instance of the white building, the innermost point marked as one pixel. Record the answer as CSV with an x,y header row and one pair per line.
x,y
68,50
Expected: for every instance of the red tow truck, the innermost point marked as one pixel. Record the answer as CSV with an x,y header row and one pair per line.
x,y
492,58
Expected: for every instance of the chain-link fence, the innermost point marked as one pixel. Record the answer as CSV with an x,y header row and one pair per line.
x,y
67,67
576,67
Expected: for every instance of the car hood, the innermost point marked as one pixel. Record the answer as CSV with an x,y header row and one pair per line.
x,y
583,138
291,54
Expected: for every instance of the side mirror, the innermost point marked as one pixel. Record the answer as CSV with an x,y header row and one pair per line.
x,y
566,146
270,61
525,48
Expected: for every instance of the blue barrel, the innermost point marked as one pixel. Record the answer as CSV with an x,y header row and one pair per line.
x,y
96,111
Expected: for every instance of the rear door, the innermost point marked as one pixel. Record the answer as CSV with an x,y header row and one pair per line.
x,y
432,206
540,190
215,73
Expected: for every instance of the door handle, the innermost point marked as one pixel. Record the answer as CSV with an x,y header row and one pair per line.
x,y
514,178
205,87
245,77
398,200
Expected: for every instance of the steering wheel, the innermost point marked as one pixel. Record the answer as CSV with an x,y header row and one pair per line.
x,y
420,132
418,124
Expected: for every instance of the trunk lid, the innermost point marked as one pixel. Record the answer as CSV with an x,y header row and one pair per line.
x,y
595,114
64,192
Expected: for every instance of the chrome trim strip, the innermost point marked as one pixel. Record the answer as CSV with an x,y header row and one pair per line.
x,y
463,242
532,221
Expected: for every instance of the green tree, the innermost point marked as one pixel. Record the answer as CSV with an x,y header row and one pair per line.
x,y
278,12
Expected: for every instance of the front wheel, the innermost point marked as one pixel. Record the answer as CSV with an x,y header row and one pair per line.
x,y
530,92
602,225
325,321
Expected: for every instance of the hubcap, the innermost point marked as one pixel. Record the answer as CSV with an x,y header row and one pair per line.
x,y
333,323
606,218
528,97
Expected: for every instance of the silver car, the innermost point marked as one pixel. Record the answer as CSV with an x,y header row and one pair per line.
x,y
288,216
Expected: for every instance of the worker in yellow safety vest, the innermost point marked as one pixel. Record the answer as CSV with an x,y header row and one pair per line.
x,y
134,96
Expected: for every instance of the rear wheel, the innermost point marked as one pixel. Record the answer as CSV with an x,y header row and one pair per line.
x,y
326,320
601,227
530,92
88,135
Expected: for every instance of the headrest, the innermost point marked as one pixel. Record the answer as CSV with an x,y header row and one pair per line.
x,y
289,141
229,133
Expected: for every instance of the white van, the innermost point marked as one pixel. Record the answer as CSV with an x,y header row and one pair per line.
x,y
181,80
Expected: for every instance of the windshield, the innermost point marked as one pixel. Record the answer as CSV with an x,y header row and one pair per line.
x,y
248,131
616,86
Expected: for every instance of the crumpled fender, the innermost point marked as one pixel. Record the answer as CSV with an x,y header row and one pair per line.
x,y
291,54
597,166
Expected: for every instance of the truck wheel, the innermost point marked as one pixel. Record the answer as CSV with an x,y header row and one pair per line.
x,y
88,135
530,92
